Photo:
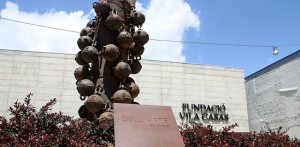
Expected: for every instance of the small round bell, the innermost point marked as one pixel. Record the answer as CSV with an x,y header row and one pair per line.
x,y
137,18
85,31
125,40
81,72
122,70
113,21
122,96
84,41
140,37
78,59
133,89
106,116
129,80
95,103
85,87
101,7
106,119
91,23
137,50
135,66
89,54
110,52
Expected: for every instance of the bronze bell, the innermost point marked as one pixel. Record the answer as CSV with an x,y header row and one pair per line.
x,y
122,70
89,54
137,18
95,103
137,50
84,41
102,6
125,40
122,96
81,72
129,80
110,52
135,66
85,31
140,37
113,21
107,119
132,88
91,23
85,87
79,59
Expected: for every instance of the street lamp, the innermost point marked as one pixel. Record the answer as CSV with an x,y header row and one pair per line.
x,y
275,51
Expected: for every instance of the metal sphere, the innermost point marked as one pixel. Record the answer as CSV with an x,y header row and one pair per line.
x,y
110,52
85,31
106,116
137,50
133,89
140,37
125,40
122,70
89,54
81,72
85,87
79,60
101,7
113,21
122,96
95,103
135,66
84,41
138,18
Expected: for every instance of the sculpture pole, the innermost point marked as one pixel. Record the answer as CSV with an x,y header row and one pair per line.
x,y
110,50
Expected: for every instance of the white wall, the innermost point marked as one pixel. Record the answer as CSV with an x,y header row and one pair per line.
x,y
50,75
274,97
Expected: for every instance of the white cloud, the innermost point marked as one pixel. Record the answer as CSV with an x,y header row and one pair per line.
x,y
167,20
26,37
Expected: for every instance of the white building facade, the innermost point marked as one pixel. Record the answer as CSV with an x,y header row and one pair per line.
x,y
209,94
273,96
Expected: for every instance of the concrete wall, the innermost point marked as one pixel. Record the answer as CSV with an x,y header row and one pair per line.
x,y
49,75
273,96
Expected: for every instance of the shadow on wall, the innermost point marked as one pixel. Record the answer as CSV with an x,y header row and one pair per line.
x,y
288,93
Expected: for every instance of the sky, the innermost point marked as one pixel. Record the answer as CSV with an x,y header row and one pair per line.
x,y
261,24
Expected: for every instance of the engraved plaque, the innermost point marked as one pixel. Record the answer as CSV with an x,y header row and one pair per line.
x,y
145,126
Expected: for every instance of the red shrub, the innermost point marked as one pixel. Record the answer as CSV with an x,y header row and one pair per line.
x,y
28,127
198,135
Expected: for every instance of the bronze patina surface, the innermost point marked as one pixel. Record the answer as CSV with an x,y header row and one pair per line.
x,y
110,46
145,126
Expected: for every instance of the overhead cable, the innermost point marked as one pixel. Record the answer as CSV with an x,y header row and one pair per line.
x,y
161,40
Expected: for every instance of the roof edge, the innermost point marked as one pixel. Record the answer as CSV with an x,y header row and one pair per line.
x,y
274,65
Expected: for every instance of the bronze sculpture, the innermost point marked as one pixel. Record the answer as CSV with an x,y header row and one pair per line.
x,y
110,50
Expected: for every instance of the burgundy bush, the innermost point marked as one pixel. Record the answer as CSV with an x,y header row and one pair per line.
x,y
29,127
198,135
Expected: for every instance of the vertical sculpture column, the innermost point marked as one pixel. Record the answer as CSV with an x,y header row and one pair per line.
x,y
110,46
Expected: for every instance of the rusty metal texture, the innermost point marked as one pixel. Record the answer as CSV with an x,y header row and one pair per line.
x,y
110,48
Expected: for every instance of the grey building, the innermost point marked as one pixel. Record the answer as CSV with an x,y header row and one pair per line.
x,y
188,88
273,96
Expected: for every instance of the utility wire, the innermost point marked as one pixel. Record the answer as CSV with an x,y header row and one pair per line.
x,y
161,40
